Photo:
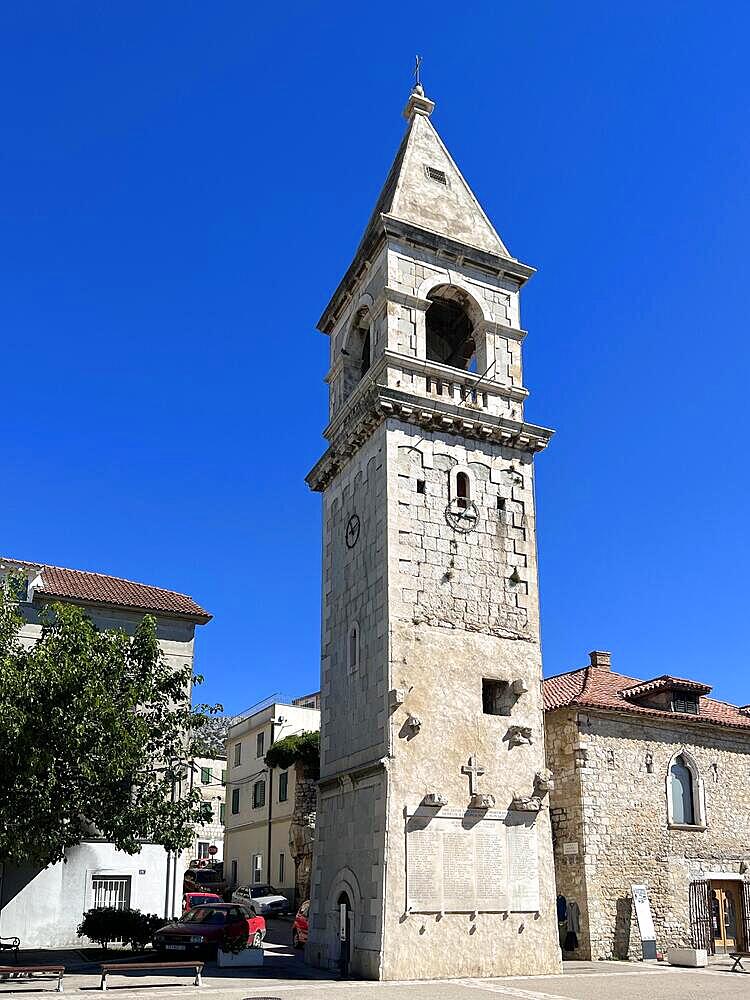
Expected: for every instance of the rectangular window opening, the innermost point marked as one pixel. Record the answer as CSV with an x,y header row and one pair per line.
x,y
501,503
237,754
205,775
436,175
260,744
283,786
686,704
257,868
420,486
259,794
235,801
111,891
281,869
496,697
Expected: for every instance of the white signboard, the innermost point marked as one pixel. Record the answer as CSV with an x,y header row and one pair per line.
x,y
477,861
645,920
570,849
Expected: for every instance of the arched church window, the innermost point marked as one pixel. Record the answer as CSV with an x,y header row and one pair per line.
x,y
450,330
353,648
682,792
463,490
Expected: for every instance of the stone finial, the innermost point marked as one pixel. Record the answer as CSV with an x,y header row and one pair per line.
x,y
418,104
600,659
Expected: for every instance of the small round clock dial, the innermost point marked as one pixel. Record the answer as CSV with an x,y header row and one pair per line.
x,y
352,531
462,515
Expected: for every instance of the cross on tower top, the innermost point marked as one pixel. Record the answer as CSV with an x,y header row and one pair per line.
x,y
475,772
417,72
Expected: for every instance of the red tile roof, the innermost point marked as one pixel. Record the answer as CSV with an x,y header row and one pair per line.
x,y
97,588
592,687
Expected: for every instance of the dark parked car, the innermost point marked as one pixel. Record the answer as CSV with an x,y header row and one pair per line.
x,y
299,927
203,880
203,929
192,899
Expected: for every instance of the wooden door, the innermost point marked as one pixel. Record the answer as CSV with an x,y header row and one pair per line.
x,y
726,917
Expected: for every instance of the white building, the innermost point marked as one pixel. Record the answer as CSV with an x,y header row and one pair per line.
x,y
260,800
43,906
210,778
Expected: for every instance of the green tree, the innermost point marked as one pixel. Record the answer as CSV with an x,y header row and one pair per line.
x,y
300,748
97,733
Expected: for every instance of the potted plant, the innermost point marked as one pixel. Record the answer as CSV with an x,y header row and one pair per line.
x,y
235,950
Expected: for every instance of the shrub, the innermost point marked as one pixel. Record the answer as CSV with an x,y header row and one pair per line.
x,y
105,924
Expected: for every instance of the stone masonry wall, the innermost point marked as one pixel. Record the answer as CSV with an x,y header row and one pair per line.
x,y
624,834
354,592
566,812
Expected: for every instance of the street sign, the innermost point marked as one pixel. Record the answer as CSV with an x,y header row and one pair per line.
x,y
213,850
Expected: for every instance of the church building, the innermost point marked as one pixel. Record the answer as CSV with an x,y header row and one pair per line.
x,y
433,854
650,788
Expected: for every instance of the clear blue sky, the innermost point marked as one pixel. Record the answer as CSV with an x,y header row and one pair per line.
x,y
183,185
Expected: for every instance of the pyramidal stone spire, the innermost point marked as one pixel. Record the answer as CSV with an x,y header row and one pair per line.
x,y
425,188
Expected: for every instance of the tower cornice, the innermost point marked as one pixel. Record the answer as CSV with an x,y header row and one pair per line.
x,y
377,403
451,252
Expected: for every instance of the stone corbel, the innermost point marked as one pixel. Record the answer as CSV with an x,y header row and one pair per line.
x,y
396,697
519,736
533,803
480,801
435,800
414,723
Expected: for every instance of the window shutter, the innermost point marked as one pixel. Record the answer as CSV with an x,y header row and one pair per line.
x,y
746,913
700,916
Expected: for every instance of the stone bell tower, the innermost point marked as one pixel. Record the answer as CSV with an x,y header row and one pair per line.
x,y
433,854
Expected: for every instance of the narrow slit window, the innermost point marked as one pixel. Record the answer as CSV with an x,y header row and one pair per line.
x,y
353,651
420,486
501,503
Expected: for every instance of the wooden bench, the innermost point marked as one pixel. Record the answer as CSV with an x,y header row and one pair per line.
x,y
10,944
151,967
27,970
738,956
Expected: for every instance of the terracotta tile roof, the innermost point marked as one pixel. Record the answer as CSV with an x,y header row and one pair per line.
x,y
592,687
665,683
97,588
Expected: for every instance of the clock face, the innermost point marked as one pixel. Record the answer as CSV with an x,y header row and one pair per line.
x,y
352,531
462,515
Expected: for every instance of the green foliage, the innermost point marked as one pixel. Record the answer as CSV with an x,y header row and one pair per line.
x,y
96,737
301,748
104,924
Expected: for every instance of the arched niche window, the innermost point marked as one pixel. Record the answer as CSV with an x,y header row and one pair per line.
x,y
685,797
461,486
449,328
357,351
352,653
463,489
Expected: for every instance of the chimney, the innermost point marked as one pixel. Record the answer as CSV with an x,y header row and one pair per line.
x,y
600,659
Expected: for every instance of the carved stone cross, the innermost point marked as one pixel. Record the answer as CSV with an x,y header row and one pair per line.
x,y
474,771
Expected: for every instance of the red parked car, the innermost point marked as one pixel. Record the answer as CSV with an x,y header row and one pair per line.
x,y
299,927
203,928
192,899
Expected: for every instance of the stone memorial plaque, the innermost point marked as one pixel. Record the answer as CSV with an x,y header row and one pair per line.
x,y
523,864
457,863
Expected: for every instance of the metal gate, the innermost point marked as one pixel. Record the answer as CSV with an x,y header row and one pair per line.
x,y
111,890
700,916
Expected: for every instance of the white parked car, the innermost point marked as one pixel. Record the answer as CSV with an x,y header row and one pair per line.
x,y
263,900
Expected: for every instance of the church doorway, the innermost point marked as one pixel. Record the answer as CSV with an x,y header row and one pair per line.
x,y
346,923
726,917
